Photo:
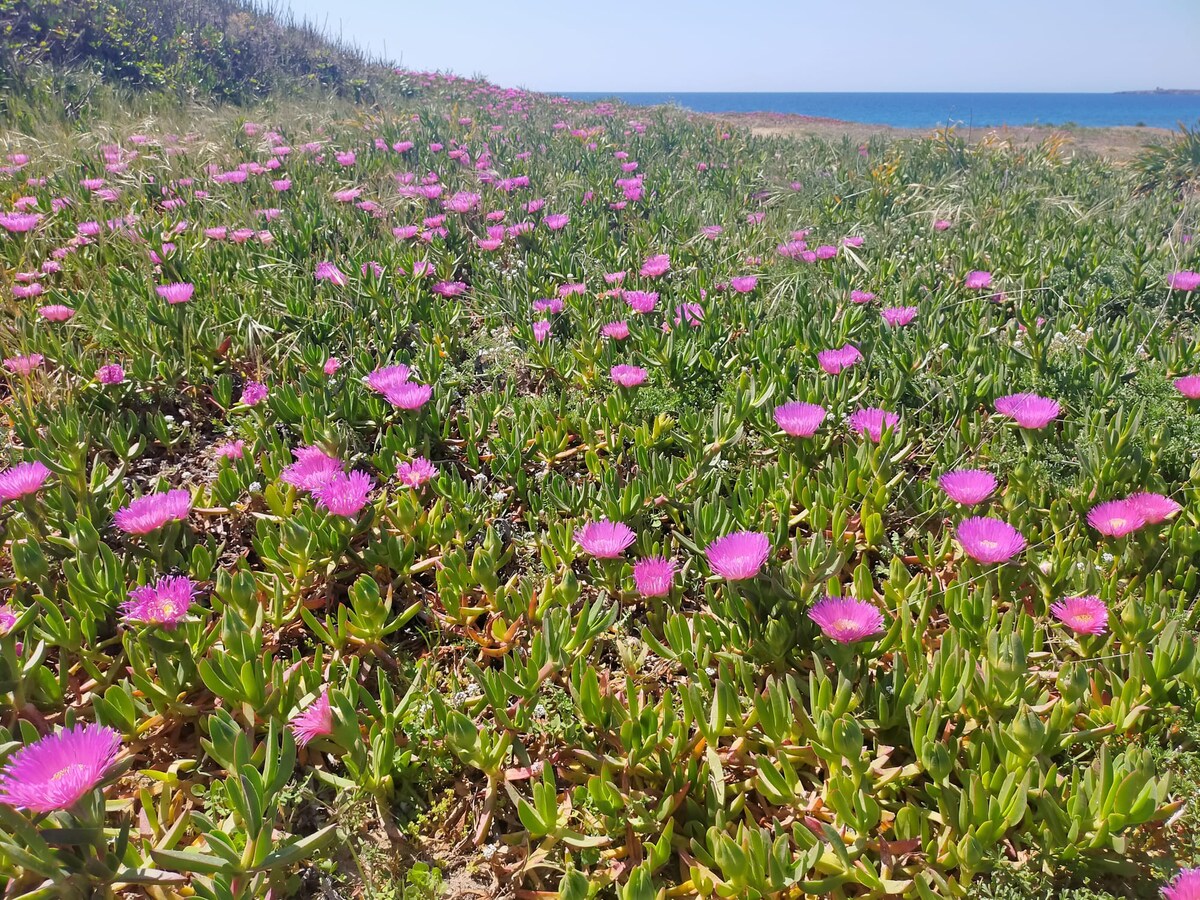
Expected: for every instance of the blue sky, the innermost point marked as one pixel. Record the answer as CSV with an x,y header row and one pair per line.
x,y
784,45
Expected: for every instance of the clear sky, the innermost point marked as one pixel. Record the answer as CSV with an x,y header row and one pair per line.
x,y
784,45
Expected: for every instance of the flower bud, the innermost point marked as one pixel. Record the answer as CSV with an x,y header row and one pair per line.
x,y
1073,682
1028,730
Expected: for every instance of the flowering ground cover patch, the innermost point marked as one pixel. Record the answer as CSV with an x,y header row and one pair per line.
x,y
590,502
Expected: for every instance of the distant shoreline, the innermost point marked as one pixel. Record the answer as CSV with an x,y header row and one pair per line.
x,y
1174,92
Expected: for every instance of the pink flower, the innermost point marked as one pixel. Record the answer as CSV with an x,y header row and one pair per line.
x,y
110,374
989,540
617,331
968,486
405,232
56,313
898,316
346,158
853,240
738,556
541,329
845,619
176,292
153,511
24,292
1154,508
800,419
281,184
628,376
60,769
941,225
23,365
1028,410
253,393
449,288
312,468
344,495
641,301
416,473
388,378
834,362
8,619
826,251
743,284
557,221
327,271
653,576
22,480
655,266
18,223
978,280
331,365
1183,281
164,603
861,297
712,232
1189,386
408,395
229,450
605,539
1083,615
1116,518
315,721
692,313
1184,886
614,277
872,421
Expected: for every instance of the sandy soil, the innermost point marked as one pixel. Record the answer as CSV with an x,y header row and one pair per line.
x,y
1119,144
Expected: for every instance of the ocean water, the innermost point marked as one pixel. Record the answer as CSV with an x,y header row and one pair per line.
x,y
932,110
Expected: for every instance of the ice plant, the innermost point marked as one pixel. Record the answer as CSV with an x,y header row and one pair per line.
x,y
861,297
331,365
989,540
1116,518
738,556
110,374
60,769
416,473
315,721
23,365
898,316
1028,410
653,576
342,494
8,619
1083,615
327,271
22,480
628,376
165,603
153,511
1184,886
799,419
229,450
743,284
1183,281
978,280
56,312
655,266
1154,508
604,539
408,395
175,292
836,361
846,620
969,487
312,468
253,393
1189,386
872,422
616,331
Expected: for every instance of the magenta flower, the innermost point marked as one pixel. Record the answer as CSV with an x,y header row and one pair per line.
x,y
60,769
1154,508
653,576
110,374
898,316
614,277
449,288
1083,615
22,480
175,292
8,619
315,721
557,221
56,312
19,222
1183,281
861,297
416,473
230,450
941,225
743,284
23,365
872,421
331,365
312,468
1116,518
344,495
153,511
253,393
605,539
835,361
1028,410
327,271
408,395
1189,386
164,603
977,281
799,419
655,266
641,301
617,331
989,540
628,376
388,378
1184,886
968,486
541,329
738,556
845,619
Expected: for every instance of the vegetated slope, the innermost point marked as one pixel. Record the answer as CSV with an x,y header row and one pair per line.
x,y
469,480
204,50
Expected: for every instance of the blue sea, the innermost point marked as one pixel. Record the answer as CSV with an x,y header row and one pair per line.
x,y
932,110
